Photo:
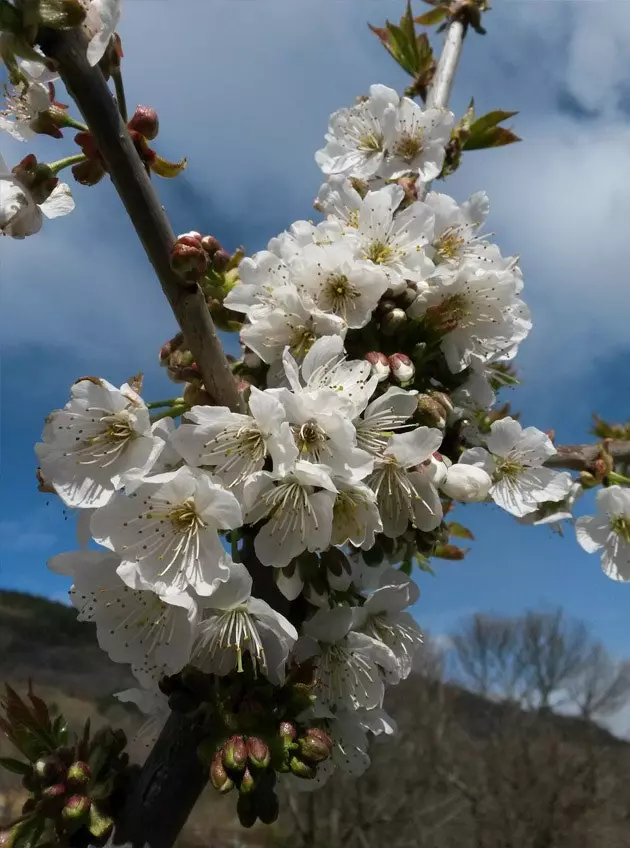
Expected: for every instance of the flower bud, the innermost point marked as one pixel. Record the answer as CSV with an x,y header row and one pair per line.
x,y
49,769
258,752
301,769
395,289
379,363
220,260
88,173
219,778
76,807
52,797
435,469
267,806
444,400
210,244
385,305
402,367
145,121
287,731
246,810
188,259
467,483
431,411
251,360
393,322
316,746
247,783
79,773
235,753
406,297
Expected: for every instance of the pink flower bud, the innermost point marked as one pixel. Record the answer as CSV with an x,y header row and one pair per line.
x,y
210,244
77,807
316,745
219,777
402,367
188,259
258,752
379,363
247,782
287,731
235,753
79,773
220,260
145,121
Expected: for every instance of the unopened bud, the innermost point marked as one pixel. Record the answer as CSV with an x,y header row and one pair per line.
x,y
385,305
258,752
246,810
220,260
77,806
49,768
88,173
247,782
145,121
53,796
435,469
395,289
379,363
267,807
443,399
210,244
219,778
406,297
431,411
467,483
287,731
402,367
316,746
301,769
587,480
393,322
79,773
188,259
235,753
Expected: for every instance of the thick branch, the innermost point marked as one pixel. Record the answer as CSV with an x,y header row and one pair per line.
x,y
93,97
442,84
581,457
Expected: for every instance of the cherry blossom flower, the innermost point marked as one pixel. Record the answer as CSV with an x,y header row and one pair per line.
x,y
133,626
383,417
416,141
236,445
476,311
297,509
237,624
339,200
166,532
100,441
403,494
22,106
21,212
356,136
356,518
609,531
515,461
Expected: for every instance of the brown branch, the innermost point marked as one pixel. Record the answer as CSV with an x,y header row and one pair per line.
x,y
89,90
581,457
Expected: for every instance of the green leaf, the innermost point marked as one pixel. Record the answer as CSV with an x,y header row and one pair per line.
x,y
433,17
424,50
402,50
407,25
406,567
27,833
15,766
381,33
459,531
423,565
494,137
491,119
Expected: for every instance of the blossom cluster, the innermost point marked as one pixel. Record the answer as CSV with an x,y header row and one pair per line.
x,y
332,457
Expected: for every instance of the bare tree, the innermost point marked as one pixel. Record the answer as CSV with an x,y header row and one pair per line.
x,y
602,687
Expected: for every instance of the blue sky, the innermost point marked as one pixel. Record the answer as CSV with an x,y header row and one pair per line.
x,y
244,89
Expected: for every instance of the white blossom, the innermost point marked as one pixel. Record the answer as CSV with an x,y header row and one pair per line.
x,y
21,214
383,417
133,626
383,618
236,445
416,141
609,531
297,509
356,518
236,624
153,705
515,461
403,494
475,310
356,136
339,283
259,276
346,663
101,22
339,199
21,108
166,532
101,440
554,513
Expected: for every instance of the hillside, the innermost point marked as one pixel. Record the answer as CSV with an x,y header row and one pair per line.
x,y
463,772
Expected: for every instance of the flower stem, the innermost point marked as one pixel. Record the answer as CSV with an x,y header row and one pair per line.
x,y
158,404
71,122
173,412
620,479
57,166
120,93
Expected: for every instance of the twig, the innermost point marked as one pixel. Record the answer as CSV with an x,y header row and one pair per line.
x,y
581,457
88,88
442,84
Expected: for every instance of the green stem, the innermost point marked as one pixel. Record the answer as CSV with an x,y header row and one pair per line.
x,y
158,404
69,121
57,166
173,412
621,479
120,93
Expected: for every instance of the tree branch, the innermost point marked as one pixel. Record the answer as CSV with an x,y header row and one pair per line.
x,y
581,457
91,93
442,84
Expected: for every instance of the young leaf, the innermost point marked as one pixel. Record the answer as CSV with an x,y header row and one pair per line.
x,y
15,766
433,17
402,49
459,531
493,137
491,119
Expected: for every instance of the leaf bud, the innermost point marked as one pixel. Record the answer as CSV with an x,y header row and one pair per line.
x,y
145,121
235,753
379,363
402,367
